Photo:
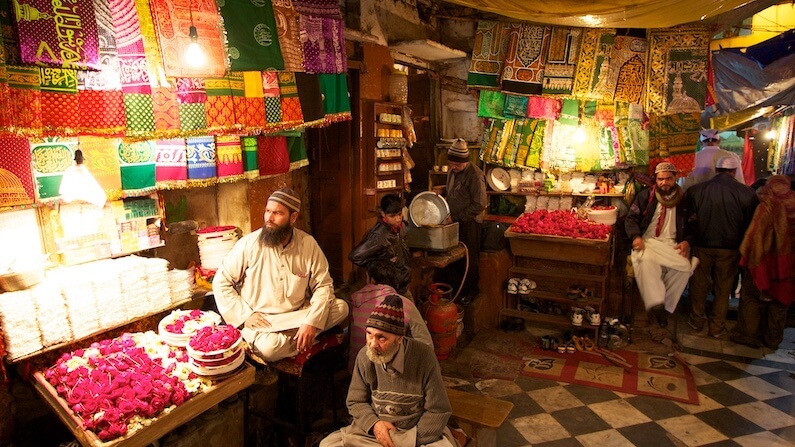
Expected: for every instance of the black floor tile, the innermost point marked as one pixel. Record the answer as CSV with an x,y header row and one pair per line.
x,y
722,370
523,405
724,443
508,436
725,395
782,379
729,423
534,383
648,434
656,408
783,403
580,420
786,433
591,395
565,442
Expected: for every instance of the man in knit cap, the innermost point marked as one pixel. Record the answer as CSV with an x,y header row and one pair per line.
x,y
657,225
466,196
707,157
396,397
275,285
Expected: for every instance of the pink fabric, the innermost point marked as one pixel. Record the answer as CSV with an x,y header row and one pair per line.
x,y
544,108
749,173
64,36
171,160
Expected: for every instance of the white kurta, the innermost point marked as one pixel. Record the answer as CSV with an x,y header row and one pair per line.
x,y
704,168
660,271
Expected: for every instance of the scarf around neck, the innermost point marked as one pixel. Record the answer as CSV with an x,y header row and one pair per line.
x,y
669,201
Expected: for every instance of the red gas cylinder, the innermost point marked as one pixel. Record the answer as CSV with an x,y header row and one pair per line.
x,y
442,315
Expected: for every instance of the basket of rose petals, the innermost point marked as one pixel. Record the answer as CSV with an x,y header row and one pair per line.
x,y
179,326
216,350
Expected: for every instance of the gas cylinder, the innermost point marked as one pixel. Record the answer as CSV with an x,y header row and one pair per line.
x,y
442,317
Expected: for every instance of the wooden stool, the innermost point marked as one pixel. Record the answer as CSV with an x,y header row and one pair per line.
x,y
315,366
479,416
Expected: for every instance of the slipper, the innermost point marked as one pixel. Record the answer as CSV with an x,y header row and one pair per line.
x,y
561,349
577,343
587,344
570,349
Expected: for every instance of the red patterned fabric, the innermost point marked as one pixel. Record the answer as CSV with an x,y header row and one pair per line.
x,y
15,162
101,110
254,110
54,111
272,155
165,108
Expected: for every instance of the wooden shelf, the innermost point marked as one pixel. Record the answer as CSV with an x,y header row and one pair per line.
x,y
499,218
160,425
551,320
549,296
554,274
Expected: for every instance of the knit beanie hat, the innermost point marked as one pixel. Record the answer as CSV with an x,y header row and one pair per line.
x,y
665,167
388,316
288,198
458,152
726,163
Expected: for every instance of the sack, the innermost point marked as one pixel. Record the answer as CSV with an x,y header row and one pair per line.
x,y
492,236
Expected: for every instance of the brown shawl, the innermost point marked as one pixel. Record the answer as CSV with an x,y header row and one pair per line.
x,y
767,249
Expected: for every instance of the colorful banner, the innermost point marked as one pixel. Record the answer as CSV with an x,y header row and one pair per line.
x,y
59,95
270,93
323,44
290,104
137,165
336,101
57,34
629,67
254,108
230,157
250,163
201,159
677,75
524,61
488,55
24,99
561,60
173,20
674,138
101,157
272,155
50,158
219,108
191,97
16,179
594,63
171,162
252,35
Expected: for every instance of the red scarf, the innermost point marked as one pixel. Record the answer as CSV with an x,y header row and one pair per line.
x,y
669,201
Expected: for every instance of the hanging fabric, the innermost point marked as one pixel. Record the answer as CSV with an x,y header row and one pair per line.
x,y
628,68
151,44
527,47
191,97
674,138
252,35
290,104
201,161
165,110
59,95
488,54
17,186
543,108
250,162
171,163
310,97
50,158
296,149
137,165
230,158
270,93
219,107
593,64
288,26
336,101
515,106
272,155
491,104
254,109
48,33
561,60
101,158
323,44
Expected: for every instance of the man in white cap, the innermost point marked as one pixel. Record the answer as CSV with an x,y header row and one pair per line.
x,y
707,157
275,285
466,196
723,208
657,225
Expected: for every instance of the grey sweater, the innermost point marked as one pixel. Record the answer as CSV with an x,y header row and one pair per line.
x,y
410,394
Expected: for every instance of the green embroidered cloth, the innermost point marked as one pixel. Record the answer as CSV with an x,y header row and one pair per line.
x,y
252,35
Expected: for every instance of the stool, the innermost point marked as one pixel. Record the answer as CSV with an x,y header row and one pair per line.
x,y
316,365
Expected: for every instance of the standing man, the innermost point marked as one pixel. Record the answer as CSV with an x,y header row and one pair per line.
x,y
466,196
397,397
276,280
723,208
657,225
707,157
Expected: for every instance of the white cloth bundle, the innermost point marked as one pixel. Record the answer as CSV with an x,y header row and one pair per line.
x,y
21,337
52,316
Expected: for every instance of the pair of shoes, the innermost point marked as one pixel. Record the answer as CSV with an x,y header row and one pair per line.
x,y
513,286
550,343
582,343
593,316
577,316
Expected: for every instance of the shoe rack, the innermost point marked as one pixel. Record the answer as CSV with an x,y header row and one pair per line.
x,y
568,274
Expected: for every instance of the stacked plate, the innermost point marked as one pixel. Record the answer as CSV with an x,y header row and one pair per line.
x,y
214,244
225,355
179,326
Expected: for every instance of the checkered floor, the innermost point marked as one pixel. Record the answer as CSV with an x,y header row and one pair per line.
x,y
744,401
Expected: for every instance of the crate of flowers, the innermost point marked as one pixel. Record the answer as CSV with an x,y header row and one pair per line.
x,y
215,350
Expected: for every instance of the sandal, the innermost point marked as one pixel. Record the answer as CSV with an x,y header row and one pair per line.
x,y
573,292
587,344
584,295
570,349
577,343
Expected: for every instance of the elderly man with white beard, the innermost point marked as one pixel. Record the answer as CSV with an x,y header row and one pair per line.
x,y
396,397
274,285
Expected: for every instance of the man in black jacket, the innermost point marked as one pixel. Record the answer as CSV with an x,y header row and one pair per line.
x,y
657,225
723,208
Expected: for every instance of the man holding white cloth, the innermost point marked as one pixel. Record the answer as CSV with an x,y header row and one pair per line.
x,y
657,225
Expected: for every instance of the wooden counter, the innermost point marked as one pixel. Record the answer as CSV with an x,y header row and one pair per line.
x,y
162,424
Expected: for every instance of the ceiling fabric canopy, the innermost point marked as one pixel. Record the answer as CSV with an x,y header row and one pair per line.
x,y
616,13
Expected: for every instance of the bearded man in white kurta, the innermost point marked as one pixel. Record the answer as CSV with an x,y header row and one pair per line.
x,y
275,285
661,235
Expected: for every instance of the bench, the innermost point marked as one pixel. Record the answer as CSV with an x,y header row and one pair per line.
x,y
479,416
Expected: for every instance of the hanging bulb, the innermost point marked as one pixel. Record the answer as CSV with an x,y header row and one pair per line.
x,y
579,135
770,134
194,54
77,183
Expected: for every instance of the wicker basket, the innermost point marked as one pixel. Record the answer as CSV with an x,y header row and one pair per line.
x,y
13,281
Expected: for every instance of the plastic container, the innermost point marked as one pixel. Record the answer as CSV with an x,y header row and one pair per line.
x,y
607,217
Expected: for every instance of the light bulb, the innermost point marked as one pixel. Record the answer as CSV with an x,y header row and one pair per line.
x,y
194,54
770,134
579,135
